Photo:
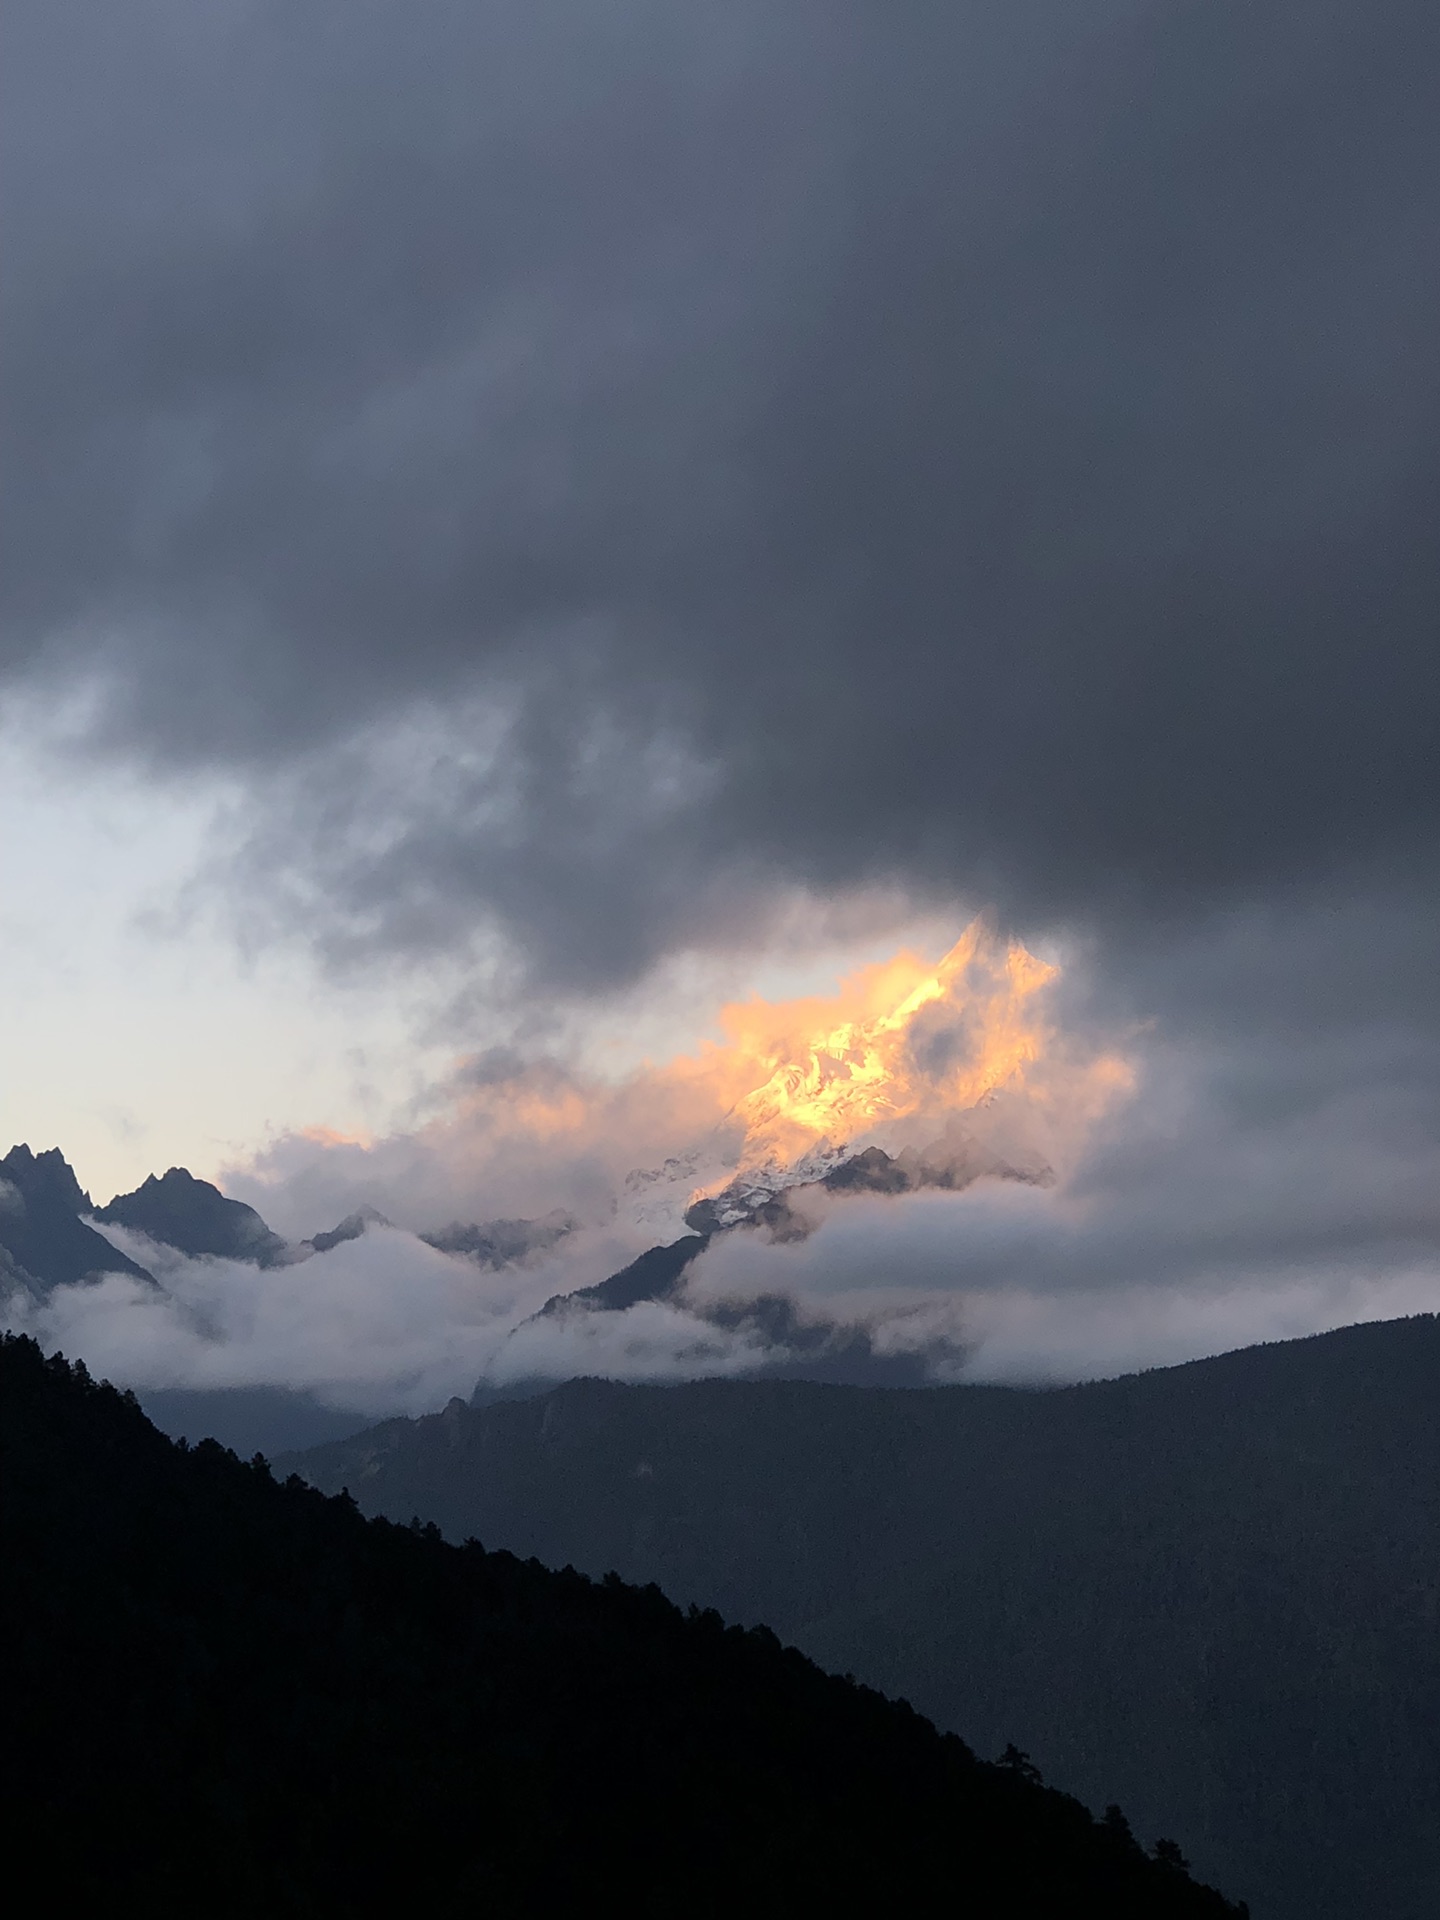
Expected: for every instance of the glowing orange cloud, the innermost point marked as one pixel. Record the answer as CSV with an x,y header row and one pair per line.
x,y
902,1054
332,1137
900,1039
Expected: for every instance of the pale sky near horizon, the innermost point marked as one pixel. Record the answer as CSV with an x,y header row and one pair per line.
x,y
133,1047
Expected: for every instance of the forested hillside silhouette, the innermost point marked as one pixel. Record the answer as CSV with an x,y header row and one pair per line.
x,y
229,1696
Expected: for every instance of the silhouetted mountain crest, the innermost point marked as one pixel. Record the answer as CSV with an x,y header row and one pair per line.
x,y
654,1276
41,1231
46,1179
196,1219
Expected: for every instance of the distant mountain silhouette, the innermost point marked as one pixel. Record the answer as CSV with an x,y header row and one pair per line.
x,y
654,1276
808,1347
196,1219
268,1420
228,1697
352,1227
41,1231
502,1243
1211,1591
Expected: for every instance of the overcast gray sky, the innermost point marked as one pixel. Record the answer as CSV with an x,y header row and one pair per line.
x,y
545,495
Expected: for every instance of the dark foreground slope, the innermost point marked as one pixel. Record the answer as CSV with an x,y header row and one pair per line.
x,y
226,1696
1210,1592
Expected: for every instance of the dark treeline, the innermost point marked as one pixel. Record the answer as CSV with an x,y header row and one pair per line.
x,y
229,1696
1211,1592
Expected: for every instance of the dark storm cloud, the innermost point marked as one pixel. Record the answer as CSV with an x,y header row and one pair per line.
x,y
584,466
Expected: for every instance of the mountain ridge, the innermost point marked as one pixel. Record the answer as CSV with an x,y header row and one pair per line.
x,y
195,1218
1209,1590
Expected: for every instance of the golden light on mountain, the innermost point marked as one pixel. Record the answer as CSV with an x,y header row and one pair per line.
x,y
963,1055
900,1039
960,1060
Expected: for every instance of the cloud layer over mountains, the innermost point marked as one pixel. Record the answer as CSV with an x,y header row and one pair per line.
x,y
1178,1233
